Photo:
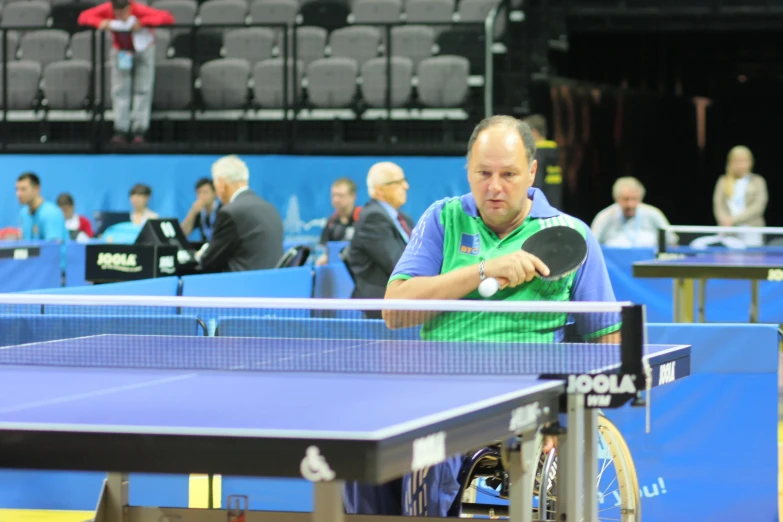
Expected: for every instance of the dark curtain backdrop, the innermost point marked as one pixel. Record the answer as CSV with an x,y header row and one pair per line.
x,y
676,146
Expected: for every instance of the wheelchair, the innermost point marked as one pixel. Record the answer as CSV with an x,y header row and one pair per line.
x,y
482,477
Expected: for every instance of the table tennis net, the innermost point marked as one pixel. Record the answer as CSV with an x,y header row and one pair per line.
x,y
310,335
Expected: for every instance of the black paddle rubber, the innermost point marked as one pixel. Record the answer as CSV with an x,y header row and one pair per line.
x,y
562,249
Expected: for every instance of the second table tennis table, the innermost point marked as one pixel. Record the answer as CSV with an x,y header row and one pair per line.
x,y
330,411
688,269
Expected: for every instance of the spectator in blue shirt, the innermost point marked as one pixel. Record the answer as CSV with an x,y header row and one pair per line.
x,y
38,219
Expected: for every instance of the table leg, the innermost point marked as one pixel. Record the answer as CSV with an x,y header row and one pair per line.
x,y
328,501
684,293
754,301
113,498
570,463
522,473
702,300
591,465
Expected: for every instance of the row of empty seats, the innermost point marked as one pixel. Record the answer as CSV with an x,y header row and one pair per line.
x,y
253,44
231,84
328,14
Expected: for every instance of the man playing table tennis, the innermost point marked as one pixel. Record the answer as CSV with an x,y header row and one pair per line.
x,y
444,261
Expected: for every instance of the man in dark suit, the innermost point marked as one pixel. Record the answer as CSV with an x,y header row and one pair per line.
x,y
248,233
381,234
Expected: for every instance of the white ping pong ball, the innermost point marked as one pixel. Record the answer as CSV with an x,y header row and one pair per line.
x,y
488,287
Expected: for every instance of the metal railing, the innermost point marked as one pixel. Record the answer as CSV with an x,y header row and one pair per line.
x,y
93,111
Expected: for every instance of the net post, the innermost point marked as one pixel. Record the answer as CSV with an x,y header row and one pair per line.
x,y
661,241
632,343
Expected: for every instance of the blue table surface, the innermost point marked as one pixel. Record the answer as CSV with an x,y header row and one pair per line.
x,y
739,259
132,385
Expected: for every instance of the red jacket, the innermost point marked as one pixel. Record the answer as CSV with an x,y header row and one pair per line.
x,y
145,15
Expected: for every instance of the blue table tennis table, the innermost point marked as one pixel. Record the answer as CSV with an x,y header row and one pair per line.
x,y
686,269
327,410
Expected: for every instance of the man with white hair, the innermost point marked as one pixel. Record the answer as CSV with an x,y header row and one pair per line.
x,y
248,232
629,222
382,232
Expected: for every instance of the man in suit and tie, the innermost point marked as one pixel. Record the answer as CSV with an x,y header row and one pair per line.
x,y
381,234
248,232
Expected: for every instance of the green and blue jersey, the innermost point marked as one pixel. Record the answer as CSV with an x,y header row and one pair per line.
x,y
452,235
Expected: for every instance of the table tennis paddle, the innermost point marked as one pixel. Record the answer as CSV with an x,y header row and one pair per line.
x,y
562,249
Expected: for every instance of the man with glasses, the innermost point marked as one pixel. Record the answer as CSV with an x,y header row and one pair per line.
x,y
381,234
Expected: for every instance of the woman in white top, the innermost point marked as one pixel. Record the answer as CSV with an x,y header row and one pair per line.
x,y
740,197
139,197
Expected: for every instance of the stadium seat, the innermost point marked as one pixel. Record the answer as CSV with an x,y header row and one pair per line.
x,y
252,44
67,85
443,81
357,42
222,12
81,46
373,86
332,82
173,83
429,11
328,14
23,78
376,11
310,44
13,43
224,84
162,43
281,12
413,41
31,13
44,47
183,11
268,83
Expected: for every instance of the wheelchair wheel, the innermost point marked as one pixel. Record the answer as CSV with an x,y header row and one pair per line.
x,y
617,482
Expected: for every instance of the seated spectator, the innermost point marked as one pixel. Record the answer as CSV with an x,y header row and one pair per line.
x,y
549,176
79,227
740,197
203,211
340,225
629,222
248,229
132,60
139,197
39,219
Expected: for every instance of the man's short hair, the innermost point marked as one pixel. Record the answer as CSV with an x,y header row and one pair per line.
x,y
31,177
120,4
537,122
64,200
230,169
512,123
141,189
347,182
627,182
204,181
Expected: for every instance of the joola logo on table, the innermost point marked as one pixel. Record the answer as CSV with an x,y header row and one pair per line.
x,y
119,262
601,384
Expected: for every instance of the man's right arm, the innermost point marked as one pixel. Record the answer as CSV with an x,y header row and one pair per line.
x,y
224,242
94,16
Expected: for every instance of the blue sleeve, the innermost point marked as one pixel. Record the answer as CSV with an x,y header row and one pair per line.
x,y
592,283
423,256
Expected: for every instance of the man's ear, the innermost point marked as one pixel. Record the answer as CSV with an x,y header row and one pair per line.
x,y
533,169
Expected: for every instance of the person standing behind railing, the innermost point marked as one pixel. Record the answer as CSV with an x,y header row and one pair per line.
x,y
740,197
132,60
